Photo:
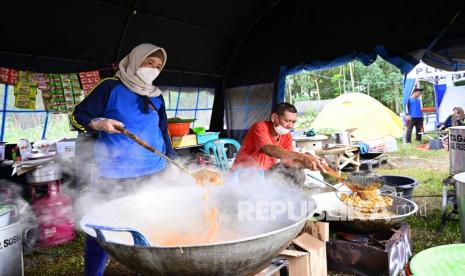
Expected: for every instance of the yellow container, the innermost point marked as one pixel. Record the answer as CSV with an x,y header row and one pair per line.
x,y
184,141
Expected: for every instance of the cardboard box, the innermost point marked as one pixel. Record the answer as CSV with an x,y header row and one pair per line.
x,y
317,253
184,141
299,262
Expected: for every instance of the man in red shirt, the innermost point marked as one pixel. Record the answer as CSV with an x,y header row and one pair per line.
x,y
267,142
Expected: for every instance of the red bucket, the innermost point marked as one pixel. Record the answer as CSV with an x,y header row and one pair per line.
x,y
178,129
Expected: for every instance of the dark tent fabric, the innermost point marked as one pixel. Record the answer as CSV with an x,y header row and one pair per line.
x,y
225,44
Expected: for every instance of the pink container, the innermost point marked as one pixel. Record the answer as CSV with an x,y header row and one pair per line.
x,y
54,213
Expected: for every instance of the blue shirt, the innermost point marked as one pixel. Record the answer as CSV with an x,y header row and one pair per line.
x,y
414,108
116,155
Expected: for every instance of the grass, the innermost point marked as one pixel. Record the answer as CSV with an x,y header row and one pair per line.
x,y
428,167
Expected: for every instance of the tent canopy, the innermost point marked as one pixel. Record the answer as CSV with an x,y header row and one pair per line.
x,y
226,44
371,119
244,37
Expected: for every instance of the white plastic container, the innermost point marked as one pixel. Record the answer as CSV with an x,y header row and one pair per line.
x,y
2,151
11,252
24,148
310,143
5,214
66,149
390,144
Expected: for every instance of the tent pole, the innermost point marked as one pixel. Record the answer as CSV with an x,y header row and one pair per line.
x,y
132,12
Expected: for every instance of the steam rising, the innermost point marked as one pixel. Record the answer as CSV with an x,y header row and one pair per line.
x,y
172,201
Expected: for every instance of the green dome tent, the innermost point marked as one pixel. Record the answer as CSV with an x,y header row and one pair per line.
x,y
371,119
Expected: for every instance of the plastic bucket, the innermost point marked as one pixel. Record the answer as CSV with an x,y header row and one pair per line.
x,y
404,185
178,129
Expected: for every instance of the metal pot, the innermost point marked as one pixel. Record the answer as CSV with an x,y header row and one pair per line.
x,y
342,137
460,187
457,149
344,218
45,173
254,245
11,249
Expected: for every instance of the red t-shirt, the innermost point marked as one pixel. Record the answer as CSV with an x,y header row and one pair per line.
x,y
260,135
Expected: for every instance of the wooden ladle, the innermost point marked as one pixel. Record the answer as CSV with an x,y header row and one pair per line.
x,y
201,176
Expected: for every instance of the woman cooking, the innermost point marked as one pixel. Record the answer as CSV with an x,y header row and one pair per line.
x,y
131,101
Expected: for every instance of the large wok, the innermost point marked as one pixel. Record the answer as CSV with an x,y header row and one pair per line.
x,y
251,247
344,218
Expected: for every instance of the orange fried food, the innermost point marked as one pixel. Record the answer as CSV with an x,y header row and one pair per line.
x,y
368,202
207,176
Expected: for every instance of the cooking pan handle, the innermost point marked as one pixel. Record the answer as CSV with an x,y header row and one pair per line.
x,y
139,239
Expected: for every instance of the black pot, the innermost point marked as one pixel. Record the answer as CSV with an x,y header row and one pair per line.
x,y
404,185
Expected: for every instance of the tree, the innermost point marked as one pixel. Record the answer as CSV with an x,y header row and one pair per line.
x,y
381,80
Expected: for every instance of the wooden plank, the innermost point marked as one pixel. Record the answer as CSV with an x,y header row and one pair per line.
x,y
319,230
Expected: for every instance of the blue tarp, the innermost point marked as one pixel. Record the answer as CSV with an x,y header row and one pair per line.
x,y
408,89
439,91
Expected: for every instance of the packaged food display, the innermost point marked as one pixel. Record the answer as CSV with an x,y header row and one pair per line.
x,y
89,80
8,76
25,95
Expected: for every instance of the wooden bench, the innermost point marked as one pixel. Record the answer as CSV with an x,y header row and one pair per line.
x,y
343,156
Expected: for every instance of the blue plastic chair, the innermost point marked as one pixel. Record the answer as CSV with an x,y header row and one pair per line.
x,y
218,148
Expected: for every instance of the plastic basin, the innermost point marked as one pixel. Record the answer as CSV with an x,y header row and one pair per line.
x,y
404,185
440,260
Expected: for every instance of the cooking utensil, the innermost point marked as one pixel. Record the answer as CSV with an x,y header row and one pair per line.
x,y
329,171
339,196
365,180
201,176
251,245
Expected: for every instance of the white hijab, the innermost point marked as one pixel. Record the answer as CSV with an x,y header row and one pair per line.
x,y
129,65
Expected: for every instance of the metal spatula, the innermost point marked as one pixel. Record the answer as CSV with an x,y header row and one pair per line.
x,y
339,193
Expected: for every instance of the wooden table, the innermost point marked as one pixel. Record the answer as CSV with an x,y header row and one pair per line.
x,y
344,155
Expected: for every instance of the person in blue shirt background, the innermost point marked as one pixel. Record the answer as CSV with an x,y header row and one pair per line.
x,y
129,100
414,116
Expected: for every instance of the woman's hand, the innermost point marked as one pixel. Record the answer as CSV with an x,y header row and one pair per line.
x,y
106,125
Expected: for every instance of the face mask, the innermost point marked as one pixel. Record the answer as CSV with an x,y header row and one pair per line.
x,y
280,130
147,75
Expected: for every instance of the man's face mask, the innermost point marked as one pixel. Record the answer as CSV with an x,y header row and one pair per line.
x,y
147,74
279,129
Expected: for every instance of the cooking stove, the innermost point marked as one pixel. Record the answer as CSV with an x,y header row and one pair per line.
x,y
449,198
383,253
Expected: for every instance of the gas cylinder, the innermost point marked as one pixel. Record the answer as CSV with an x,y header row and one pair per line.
x,y
54,213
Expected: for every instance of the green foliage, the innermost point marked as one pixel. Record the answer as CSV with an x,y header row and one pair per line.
x,y
327,131
459,83
380,80
305,121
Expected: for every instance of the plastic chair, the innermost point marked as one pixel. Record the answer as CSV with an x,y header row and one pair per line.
x,y
218,148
